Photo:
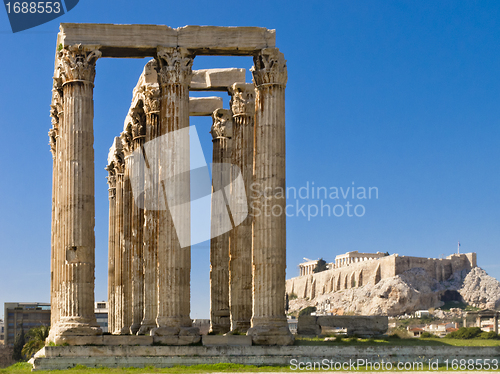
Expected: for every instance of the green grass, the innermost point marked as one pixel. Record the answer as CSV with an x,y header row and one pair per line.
x,y
391,342
80,369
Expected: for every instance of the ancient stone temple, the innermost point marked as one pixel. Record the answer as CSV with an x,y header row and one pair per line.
x,y
149,232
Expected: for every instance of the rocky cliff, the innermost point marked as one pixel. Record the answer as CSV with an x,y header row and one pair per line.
x,y
412,290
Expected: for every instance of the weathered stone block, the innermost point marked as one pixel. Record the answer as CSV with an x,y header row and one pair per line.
x,y
307,325
226,340
204,106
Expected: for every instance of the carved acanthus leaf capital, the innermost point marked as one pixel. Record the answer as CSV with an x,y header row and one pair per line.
x,y
111,175
151,99
242,99
117,159
222,124
269,68
56,108
77,64
127,140
174,66
53,134
138,123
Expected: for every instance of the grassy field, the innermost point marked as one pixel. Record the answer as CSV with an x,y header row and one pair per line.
x,y
401,342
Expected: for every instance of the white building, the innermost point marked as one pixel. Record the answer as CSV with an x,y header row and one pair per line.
x,y
101,315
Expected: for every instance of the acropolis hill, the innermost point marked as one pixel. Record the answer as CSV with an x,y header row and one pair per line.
x,y
354,270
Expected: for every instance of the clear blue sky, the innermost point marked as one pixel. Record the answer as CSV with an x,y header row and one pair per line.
x,y
399,95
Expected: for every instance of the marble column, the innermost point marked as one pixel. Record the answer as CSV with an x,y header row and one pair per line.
x,y
219,243
56,113
138,136
126,243
76,70
269,324
111,246
151,99
240,252
119,165
174,260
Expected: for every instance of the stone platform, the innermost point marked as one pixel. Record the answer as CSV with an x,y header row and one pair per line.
x,y
63,357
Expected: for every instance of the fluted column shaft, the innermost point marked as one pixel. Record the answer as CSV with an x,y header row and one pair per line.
x,y
219,244
127,245
56,265
174,261
76,202
240,253
111,247
150,269
119,292
138,134
269,325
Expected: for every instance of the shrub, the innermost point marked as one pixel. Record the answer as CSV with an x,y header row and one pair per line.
x,y
307,311
292,296
465,333
488,335
428,335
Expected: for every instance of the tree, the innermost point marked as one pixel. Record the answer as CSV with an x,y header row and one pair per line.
x,y
320,266
307,311
17,354
36,336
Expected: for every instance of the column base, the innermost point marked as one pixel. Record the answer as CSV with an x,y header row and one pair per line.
x,y
135,328
73,330
271,332
220,328
146,328
239,327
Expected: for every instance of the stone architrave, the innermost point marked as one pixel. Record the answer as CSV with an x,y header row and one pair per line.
x,y
240,252
151,99
269,324
174,261
219,244
75,221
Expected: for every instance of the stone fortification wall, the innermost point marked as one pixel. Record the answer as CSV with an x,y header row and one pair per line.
x,y
371,272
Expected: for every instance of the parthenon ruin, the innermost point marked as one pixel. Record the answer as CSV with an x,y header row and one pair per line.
x,y
149,233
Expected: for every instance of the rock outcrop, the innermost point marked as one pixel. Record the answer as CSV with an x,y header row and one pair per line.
x,y
410,291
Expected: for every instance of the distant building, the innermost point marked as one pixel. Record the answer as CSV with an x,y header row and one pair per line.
x,y
101,315
292,324
1,332
202,324
422,313
354,269
438,329
24,316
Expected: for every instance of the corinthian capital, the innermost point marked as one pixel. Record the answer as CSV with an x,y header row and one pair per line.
x,y
269,68
53,134
138,123
127,140
151,98
222,124
56,108
174,66
242,99
77,64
